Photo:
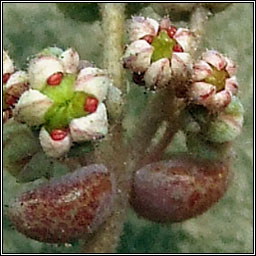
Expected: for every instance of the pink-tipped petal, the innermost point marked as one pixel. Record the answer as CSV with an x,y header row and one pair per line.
x,y
138,56
93,81
158,74
90,127
185,38
181,63
70,60
54,148
201,92
231,85
215,59
141,27
220,100
201,70
231,67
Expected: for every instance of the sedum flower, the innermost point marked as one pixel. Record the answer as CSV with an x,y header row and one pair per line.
x,y
158,51
214,81
65,100
14,84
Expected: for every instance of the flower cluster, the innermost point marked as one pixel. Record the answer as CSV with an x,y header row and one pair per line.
x,y
214,81
14,84
65,100
158,51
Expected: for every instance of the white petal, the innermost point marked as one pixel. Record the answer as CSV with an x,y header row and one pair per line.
x,y
200,92
70,60
181,63
220,99
141,27
93,81
17,78
90,127
8,66
185,38
52,147
201,70
231,66
138,56
41,68
231,85
215,59
158,74
32,107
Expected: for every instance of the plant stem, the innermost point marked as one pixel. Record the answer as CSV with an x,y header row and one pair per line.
x,y
113,27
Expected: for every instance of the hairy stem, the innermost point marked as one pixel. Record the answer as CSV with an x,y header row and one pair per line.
x,y
113,27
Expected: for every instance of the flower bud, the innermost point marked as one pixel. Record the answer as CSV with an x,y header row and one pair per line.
x,y
8,67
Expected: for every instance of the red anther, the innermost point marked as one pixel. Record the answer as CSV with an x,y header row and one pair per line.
x,y
91,105
55,79
6,77
177,48
58,134
148,38
171,31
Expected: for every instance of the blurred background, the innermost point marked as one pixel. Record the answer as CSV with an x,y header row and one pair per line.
x,y
228,226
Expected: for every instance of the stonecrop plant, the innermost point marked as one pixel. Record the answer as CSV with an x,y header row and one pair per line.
x,y
65,111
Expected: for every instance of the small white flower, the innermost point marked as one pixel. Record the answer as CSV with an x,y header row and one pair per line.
x,y
54,148
214,82
90,127
19,77
153,47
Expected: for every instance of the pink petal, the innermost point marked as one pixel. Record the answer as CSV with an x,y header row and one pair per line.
x,y
185,38
158,74
215,59
231,85
231,66
220,99
181,63
201,92
201,70
138,56
141,27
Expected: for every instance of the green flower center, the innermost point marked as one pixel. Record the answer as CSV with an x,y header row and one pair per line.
x,y
217,78
163,46
68,104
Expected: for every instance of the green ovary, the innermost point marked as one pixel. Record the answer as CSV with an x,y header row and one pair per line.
x,y
163,46
217,78
68,104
